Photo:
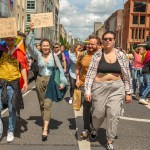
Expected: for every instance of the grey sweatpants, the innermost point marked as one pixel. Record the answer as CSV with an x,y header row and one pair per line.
x,y
107,102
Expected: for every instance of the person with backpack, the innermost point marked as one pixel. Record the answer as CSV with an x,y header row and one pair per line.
x,y
82,66
61,56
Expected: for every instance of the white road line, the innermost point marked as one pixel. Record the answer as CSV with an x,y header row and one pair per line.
x,y
83,144
22,96
135,119
148,106
29,91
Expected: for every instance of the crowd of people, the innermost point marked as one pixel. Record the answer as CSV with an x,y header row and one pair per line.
x,y
107,76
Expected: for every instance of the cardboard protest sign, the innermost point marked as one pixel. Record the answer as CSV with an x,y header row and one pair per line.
x,y
42,20
8,27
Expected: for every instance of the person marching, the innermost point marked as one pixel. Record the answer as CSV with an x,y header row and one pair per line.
x,y
61,56
81,71
73,56
11,70
137,69
46,63
107,84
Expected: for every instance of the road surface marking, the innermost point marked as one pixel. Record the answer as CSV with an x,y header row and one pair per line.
x,y
83,144
135,119
148,106
22,96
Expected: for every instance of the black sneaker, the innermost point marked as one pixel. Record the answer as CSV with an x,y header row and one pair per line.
x,y
110,146
93,134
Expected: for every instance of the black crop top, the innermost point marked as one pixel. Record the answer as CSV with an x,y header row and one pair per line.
x,y
105,67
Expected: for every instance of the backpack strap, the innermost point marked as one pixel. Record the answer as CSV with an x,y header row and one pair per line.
x,y
82,55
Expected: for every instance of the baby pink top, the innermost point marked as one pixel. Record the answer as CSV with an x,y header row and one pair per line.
x,y
138,61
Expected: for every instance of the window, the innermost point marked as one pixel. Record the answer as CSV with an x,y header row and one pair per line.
x,y
27,28
138,33
142,19
139,6
28,18
30,4
135,20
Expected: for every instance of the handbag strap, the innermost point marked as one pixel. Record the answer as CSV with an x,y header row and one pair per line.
x,y
54,60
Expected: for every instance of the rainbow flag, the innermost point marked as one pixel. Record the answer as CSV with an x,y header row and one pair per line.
x,y
19,53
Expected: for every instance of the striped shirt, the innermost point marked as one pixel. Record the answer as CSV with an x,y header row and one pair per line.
x,y
125,71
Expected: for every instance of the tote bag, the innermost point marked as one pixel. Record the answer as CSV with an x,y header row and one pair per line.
x,y
53,92
77,99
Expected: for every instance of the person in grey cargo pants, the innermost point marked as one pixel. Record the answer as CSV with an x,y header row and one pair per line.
x,y
107,84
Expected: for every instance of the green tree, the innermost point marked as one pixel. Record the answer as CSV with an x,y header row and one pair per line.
x,y
61,40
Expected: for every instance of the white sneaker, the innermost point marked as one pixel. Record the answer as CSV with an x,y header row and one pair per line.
x,y
70,101
10,137
143,101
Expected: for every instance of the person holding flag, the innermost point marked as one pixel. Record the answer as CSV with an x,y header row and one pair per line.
x,y
13,79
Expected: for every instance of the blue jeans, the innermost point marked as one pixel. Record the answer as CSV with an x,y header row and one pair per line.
x,y
137,76
11,109
147,86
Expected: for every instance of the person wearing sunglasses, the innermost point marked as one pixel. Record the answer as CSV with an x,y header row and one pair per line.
x,y
60,55
108,82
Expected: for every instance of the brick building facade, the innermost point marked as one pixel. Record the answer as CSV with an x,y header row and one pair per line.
x,y
136,23
114,23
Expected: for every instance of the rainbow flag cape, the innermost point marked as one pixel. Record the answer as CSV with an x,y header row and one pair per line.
x,y
19,53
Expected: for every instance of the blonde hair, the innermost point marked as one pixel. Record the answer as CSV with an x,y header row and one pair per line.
x,y
137,50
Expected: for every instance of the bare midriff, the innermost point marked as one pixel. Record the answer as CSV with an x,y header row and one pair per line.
x,y
102,77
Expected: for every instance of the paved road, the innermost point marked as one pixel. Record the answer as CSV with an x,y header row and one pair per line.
x,y
66,125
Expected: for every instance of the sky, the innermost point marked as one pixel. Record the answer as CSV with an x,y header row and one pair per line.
x,y
78,16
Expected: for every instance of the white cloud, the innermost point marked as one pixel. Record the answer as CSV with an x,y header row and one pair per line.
x,y
100,6
78,16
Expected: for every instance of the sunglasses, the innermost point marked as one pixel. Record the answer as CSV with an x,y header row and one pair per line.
x,y
109,39
55,47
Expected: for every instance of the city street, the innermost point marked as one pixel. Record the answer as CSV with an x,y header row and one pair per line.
x,y
102,45
133,132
